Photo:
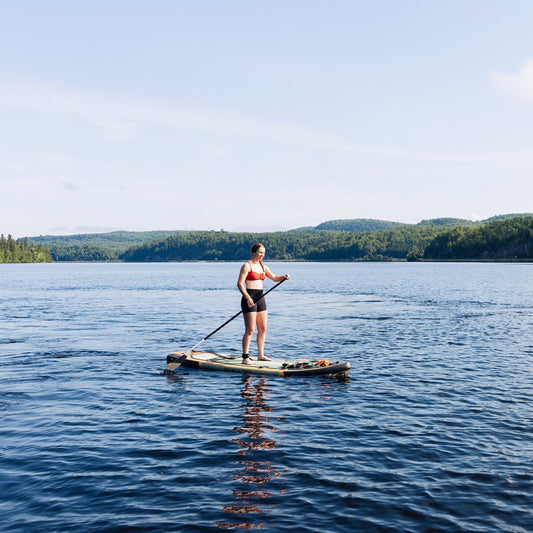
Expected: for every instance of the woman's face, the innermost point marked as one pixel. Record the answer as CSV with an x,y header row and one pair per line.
x,y
260,253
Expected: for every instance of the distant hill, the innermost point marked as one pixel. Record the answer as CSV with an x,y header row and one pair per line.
x,y
370,224
505,238
446,222
113,238
333,240
357,224
506,217
97,246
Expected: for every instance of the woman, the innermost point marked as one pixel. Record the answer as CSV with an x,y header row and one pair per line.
x,y
250,283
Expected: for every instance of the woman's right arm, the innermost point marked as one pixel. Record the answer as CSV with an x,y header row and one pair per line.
x,y
241,283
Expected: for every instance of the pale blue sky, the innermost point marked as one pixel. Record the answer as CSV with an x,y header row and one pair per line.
x,y
260,116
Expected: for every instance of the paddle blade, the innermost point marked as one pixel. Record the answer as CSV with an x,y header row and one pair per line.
x,y
174,361
171,368
177,357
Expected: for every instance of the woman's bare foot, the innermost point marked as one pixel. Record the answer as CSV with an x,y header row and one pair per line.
x,y
247,361
264,358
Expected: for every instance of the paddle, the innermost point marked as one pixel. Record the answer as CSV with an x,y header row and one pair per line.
x,y
188,352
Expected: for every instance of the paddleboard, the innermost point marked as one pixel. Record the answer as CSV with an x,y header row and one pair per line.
x,y
276,367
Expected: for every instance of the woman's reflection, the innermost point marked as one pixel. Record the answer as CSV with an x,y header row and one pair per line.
x,y
255,471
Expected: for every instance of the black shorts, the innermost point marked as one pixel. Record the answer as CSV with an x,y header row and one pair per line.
x,y
261,305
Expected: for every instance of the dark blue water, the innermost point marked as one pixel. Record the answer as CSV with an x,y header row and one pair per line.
x,y
432,432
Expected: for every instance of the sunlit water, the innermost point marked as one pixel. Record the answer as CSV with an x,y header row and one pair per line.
x,y
432,432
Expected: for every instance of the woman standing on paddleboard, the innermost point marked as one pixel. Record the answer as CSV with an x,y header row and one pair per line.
x,y
250,283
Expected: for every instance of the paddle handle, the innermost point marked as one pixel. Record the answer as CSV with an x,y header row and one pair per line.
x,y
234,317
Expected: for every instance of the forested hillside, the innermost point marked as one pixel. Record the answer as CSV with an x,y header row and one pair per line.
x,y
14,251
96,246
369,224
357,224
505,237
502,239
225,246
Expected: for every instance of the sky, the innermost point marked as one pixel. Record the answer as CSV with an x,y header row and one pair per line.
x,y
261,116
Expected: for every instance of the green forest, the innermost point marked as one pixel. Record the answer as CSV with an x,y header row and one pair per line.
x,y
96,246
501,238
20,251
507,239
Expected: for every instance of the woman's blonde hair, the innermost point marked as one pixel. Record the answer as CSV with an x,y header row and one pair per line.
x,y
256,247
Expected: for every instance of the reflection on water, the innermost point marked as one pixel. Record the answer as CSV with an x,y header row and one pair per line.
x,y
255,472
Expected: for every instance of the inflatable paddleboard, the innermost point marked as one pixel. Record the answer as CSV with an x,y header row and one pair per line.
x,y
276,367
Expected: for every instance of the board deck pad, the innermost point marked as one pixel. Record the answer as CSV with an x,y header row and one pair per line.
x,y
234,359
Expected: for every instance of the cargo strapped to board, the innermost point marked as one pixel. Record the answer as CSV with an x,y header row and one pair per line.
x,y
306,364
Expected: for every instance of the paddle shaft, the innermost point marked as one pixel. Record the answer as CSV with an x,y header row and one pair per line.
x,y
233,317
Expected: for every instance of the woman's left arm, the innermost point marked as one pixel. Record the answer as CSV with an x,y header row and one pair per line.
x,y
273,276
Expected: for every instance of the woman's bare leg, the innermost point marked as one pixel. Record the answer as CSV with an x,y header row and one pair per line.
x,y
250,320
261,322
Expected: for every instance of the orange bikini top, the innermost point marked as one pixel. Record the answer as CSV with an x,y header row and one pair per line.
x,y
254,276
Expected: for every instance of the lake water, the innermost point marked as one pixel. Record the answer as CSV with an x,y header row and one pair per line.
x,y
433,431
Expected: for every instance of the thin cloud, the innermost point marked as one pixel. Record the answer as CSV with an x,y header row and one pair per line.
x,y
128,117
125,114
518,85
71,186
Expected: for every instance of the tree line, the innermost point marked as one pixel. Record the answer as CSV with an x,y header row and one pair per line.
x,y
506,237
502,239
20,251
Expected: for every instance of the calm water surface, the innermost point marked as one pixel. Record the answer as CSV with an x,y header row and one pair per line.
x,y
432,431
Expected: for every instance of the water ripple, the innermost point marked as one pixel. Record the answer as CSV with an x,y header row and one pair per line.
x,y
432,432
